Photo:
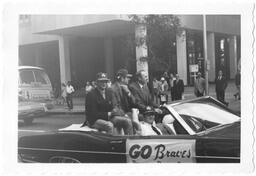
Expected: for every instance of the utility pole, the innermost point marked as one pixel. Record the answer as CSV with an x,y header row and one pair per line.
x,y
205,57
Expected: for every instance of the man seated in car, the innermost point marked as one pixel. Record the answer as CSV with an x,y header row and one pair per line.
x,y
98,106
148,125
100,111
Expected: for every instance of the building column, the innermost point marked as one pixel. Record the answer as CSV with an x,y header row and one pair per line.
x,y
109,57
182,56
141,48
37,53
232,56
211,56
64,56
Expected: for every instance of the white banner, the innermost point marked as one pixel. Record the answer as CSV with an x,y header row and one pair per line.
x,y
160,150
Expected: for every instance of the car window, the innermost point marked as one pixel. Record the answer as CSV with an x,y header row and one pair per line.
x,y
204,112
41,77
26,77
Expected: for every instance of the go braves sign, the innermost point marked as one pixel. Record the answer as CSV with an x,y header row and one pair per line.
x,y
160,150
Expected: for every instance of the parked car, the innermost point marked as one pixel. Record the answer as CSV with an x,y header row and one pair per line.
x,y
27,111
207,132
34,93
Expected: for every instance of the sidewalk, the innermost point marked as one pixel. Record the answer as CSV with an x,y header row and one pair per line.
x,y
79,107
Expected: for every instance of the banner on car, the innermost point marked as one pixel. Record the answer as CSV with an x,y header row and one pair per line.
x,y
160,150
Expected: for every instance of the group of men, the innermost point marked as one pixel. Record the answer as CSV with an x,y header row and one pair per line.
x,y
168,83
124,107
220,86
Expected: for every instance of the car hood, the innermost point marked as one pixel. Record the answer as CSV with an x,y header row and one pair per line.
x,y
231,131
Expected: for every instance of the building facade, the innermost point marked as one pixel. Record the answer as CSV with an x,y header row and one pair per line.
x,y
76,47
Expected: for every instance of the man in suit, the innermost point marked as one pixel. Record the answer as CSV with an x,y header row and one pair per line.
x,y
178,87
199,85
140,91
238,82
123,100
98,105
221,86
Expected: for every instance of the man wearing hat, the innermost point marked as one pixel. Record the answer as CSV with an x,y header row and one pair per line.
x,y
148,125
123,100
122,95
99,105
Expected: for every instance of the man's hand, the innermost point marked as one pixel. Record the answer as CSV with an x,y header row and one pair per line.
x,y
125,89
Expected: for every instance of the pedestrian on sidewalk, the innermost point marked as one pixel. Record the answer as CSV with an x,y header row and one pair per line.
x,y
70,90
171,81
94,84
88,87
199,85
238,82
178,88
221,85
163,94
63,93
156,90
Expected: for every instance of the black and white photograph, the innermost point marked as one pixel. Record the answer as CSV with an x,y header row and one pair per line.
x,y
139,88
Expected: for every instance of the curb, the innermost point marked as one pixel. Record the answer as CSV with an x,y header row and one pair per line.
x,y
65,112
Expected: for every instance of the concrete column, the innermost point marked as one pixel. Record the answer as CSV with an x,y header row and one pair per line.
x,y
141,48
109,57
232,56
182,56
211,56
38,56
64,55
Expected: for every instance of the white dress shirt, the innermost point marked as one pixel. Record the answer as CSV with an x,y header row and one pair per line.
x,y
70,89
146,129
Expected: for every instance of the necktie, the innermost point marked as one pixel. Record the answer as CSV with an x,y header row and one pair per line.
x,y
155,130
104,95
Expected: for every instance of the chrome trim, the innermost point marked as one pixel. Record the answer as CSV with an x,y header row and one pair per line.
x,y
72,151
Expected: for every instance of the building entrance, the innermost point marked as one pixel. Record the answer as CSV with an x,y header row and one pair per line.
x,y
195,55
222,55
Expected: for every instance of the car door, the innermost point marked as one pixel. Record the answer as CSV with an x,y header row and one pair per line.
x,y
161,149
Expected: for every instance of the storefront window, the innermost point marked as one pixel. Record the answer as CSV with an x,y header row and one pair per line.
x,y
222,55
195,58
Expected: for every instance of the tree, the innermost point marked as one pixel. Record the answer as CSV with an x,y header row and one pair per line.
x,y
160,40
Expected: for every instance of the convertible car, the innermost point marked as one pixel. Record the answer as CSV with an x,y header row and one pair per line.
x,y
206,132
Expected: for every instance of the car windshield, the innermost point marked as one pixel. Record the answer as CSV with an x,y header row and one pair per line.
x,y
201,115
41,77
26,77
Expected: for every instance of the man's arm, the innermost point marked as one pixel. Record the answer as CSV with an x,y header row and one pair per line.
x,y
137,99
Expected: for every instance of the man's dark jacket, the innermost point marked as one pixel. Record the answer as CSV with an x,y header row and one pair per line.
x,y
178,89
121,100
221,84
96,107
142,96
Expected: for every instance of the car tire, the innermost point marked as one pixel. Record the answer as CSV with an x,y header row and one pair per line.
x,y
63,159
28,121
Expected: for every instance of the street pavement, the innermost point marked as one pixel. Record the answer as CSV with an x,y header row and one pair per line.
x,y
79,107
